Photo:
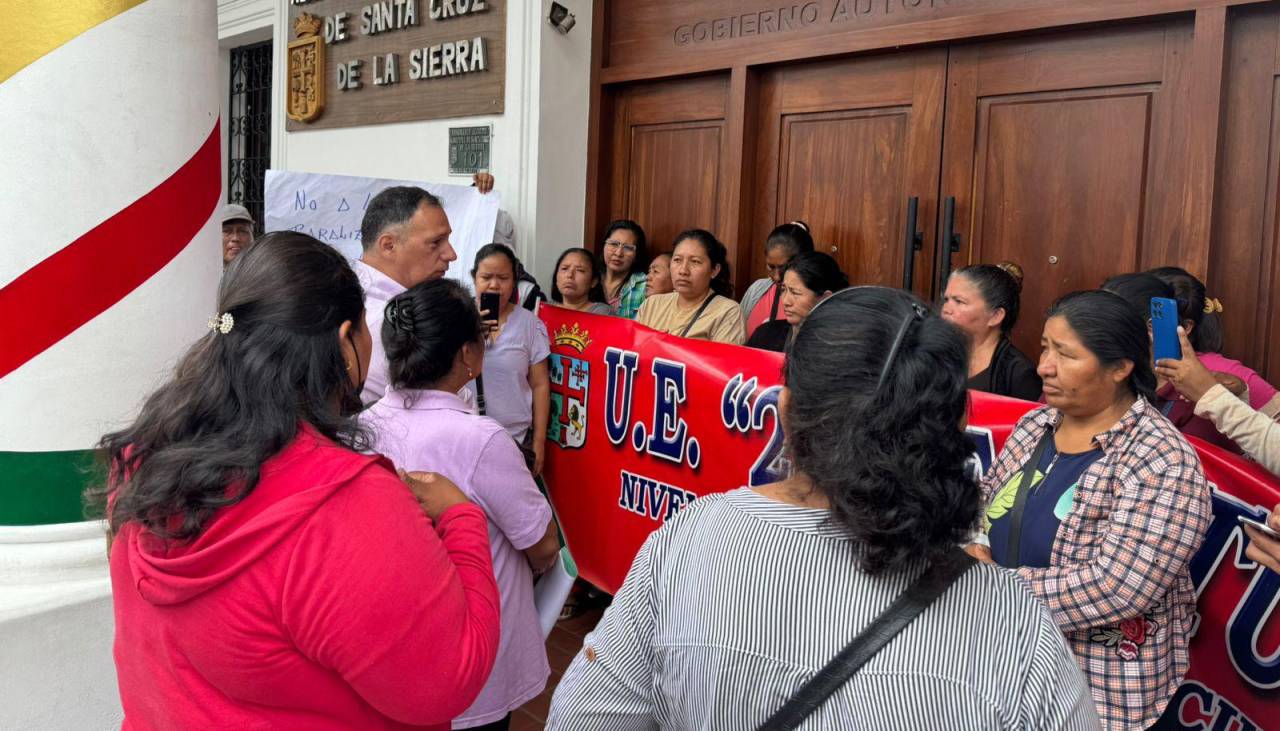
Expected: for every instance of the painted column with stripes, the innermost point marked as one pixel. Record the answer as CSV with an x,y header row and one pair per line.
x,y
109,255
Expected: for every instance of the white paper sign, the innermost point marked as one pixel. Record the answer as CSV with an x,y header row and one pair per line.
x,y
330,208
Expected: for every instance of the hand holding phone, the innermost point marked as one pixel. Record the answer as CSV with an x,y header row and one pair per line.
x,y
1164,329
490,306
1262,528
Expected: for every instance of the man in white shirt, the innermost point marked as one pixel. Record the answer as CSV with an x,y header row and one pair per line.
x,y
405,235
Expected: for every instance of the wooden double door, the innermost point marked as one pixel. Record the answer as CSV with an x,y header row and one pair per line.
x,y
1063,153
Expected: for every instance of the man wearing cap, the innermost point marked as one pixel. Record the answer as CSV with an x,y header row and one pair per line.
x,y
237,231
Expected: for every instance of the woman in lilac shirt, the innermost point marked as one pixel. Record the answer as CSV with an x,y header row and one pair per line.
x,y
517,387
435,344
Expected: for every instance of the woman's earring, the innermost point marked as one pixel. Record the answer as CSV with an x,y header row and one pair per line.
x,y
348,366
470,373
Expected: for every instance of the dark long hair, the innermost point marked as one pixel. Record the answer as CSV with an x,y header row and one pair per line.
x,y
999,288
717,254
641,262
1206,335
794,236
1137,289
817,271
236,399
1111,329
596,293
425,328
892,457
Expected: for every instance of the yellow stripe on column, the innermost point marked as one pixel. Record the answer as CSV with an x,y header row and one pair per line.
x,y
42,26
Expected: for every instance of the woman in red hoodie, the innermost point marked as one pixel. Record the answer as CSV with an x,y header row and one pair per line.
x,y
266,573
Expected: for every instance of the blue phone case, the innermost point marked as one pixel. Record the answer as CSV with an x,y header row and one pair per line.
x,y
1164,329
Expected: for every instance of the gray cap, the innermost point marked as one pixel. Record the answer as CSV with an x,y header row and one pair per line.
x,y
235,212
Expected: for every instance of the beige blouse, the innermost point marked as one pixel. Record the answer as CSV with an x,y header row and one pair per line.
x,y
721,321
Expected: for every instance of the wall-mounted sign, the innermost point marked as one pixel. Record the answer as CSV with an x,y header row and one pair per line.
x,y
469,149
394,61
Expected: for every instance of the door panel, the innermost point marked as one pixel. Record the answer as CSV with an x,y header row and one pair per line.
x,y
669,186
1058,150
843,145
824,158
667,150
1067,213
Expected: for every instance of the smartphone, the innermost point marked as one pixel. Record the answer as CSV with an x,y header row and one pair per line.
x,y
1164,329
490,305
1262,528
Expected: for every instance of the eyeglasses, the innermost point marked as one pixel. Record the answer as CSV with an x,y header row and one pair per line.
x,y
626,248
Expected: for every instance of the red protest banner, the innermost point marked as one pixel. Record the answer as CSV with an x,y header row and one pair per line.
x,y
644,423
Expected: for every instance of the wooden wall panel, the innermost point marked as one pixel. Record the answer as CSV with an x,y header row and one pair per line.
x,y
842,145
668,146
1242,261
828,156
1056,195
672,181
649,39
1067,154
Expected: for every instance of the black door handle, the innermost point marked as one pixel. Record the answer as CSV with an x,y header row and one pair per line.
x,y
913,241
948,244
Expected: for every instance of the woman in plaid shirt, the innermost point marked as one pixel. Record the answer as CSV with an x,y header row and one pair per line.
x,y
626,266
1118,505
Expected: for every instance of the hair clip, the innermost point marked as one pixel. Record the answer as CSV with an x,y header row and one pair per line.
x,y
1212,305
917,314
222,323
399,313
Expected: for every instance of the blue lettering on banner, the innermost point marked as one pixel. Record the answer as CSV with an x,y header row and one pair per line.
x,y
669,430
1251,614
1197,708
739,413
619,364
652,499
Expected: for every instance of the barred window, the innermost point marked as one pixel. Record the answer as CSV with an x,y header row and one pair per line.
x,y
249,120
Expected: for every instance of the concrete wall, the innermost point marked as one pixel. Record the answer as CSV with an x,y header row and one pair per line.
x,y
539,143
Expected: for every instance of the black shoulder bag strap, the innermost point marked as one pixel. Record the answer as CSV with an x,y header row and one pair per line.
x,y
480,393
701,308
931,585
1014,546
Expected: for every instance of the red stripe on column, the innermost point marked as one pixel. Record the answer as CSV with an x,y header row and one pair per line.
x,y
81,281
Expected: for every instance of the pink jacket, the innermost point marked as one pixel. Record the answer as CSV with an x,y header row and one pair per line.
x,y
324,600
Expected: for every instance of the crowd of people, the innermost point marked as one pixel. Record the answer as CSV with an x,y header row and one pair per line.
x,y
332,516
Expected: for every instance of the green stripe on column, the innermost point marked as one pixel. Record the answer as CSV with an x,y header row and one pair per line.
x,y
38,488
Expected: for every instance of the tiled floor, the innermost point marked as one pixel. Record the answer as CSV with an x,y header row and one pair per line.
x,y
562,645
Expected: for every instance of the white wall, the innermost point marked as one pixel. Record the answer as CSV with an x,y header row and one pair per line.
x,y
539,143
58,669
560,149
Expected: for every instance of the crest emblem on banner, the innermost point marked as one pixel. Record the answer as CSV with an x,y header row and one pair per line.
x,y
570,377
306,70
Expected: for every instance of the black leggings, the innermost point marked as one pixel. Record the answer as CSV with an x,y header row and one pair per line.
x,y
501,724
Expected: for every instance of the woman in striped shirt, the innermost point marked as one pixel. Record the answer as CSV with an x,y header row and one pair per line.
x,y
733,605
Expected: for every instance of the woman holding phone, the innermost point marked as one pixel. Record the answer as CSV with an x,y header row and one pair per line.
x,y
516,390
